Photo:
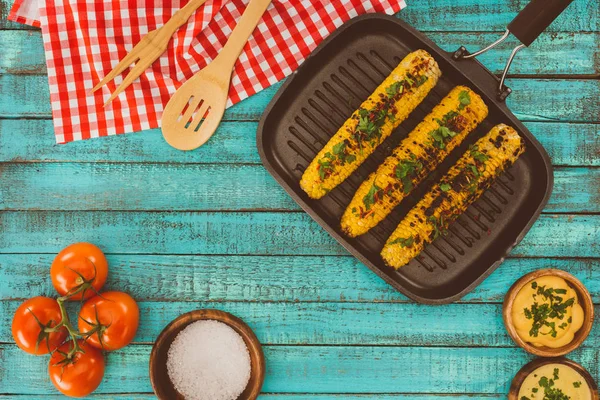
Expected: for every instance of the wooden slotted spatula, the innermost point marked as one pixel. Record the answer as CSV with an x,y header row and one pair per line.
x,y
152,46
196,109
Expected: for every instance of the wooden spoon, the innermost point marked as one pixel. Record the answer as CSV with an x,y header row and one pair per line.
x,y
196,109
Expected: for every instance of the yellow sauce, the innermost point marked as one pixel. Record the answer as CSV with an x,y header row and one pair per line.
x,y
551,380
533,315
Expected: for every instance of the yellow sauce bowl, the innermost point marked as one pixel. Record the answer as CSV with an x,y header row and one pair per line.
x,y
515,386
585,300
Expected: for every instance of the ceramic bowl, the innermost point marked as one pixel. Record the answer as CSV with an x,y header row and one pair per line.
x,y
515,386
159,377
584,299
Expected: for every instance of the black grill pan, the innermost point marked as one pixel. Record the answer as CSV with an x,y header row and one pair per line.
x,y
316,100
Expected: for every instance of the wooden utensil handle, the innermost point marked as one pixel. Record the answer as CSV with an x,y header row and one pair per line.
x,y
182,16
241,33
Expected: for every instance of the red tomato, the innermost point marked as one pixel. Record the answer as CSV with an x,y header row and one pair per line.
x,y
78,264
26,328
79,376
111,319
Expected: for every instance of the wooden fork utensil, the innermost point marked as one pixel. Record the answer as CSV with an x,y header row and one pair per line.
x,y
152,46
196,109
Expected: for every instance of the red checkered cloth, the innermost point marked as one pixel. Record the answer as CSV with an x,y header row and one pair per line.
x,y
85,39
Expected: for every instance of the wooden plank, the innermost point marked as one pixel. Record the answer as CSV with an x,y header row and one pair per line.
x,y
5,6
172,187
141,186
365,324
234,142
449,15
26,140
568,192
551,53
532,100
241,233
492,15
22,52
311,323
317,369
28,96
218,279
284,396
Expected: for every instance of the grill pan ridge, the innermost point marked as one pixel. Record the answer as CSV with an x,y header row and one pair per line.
x,y
333,81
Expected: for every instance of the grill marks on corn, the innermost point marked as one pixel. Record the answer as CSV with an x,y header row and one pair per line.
x,y
417,155
464,183
372,123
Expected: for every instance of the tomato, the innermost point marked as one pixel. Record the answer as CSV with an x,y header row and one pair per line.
x,y
110,320
27,325
79,376
76,265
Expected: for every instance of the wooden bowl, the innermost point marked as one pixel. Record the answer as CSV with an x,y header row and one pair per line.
x,y
161,384
584,299
517,381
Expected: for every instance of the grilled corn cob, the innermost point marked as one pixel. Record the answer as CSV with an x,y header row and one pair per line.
x,y
372,123
464,183
416,156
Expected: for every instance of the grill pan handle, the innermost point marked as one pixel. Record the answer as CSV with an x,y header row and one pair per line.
x,y
535,18
526,27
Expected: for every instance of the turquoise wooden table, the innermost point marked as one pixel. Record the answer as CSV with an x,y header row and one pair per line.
x,y
211,228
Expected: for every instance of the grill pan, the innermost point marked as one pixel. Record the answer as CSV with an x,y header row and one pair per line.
x,y
342,72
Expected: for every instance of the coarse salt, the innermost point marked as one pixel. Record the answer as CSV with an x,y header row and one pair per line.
x,y
208,360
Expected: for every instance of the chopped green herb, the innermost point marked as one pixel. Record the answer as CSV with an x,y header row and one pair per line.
x,y
404,242
339,148
366,126
371,197
395,88
551,392
450,115
555,308
422,79
474,170
407,186
441,136
445,187
477,155
464,98
371,121
325,168
439,227
407,170
369,124
473,175
338,156
563,325
577,384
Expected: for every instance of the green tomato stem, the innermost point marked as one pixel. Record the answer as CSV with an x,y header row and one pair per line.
x,y
66,321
